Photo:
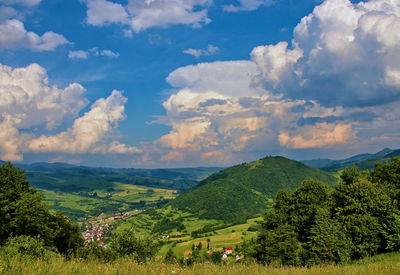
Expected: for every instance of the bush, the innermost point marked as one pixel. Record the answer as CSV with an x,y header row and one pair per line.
x,y
126,243
27,246
94,251
170,257
216,257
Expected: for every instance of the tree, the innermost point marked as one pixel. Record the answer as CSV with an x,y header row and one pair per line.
x,y
216,257
327,241
279,246
365,210
170,257
388,176
68,237
126,243
23,212
311,196
314,225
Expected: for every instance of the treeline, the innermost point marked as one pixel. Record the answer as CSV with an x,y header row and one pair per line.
x,y
359,217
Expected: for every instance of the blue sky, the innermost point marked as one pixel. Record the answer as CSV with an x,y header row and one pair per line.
x,y
174,83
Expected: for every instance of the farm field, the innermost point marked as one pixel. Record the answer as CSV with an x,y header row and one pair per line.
x,y
227,237
175,228
125,197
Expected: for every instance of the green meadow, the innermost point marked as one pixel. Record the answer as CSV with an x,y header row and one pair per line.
x,y
383,264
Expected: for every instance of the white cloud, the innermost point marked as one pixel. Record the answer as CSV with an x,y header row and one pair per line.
x,y
13,35
141,15
232,77
211,50
335,85
80,54
29,105
275,62
322,135
216,112
109,53
342,54
102,12
10,142
89,130
6,13
248,5
27,99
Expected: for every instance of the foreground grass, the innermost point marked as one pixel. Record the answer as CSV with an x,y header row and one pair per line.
x,y
384,264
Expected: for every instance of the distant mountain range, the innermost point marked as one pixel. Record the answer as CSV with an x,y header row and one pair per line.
x,y
246,189
362,161
73,178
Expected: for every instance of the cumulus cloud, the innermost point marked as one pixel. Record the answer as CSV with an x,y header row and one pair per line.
x,y
231,77
217,114
10,141
335,84
87,131
211,50
275,62
322,135
141,15
6,13
30,105
247,5
342,54
27,100
80,54
13,35
102,12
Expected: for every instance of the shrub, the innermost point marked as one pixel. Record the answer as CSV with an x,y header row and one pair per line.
x,y
27,246
94,251
126,243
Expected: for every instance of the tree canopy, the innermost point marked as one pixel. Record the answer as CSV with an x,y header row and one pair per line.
x,y
23,213
313,225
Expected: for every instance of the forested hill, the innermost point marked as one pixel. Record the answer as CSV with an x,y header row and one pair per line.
x,y
246,189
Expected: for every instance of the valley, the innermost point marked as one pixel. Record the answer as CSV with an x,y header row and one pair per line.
x,y
180,208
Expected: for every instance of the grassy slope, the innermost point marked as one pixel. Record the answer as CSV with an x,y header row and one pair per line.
x,y
246,189
383,264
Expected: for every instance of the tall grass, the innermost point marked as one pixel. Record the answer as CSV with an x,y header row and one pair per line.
x,y
388,264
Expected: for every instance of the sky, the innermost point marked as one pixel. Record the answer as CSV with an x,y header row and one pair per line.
x,y
185,83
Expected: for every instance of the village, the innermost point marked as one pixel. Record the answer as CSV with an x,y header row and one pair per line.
x,y
98,229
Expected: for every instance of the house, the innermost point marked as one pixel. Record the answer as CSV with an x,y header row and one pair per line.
x,y
224,256
239,257
228,250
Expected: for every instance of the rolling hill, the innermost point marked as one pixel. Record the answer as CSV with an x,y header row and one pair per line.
x,y
78,191
244,190
362,161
